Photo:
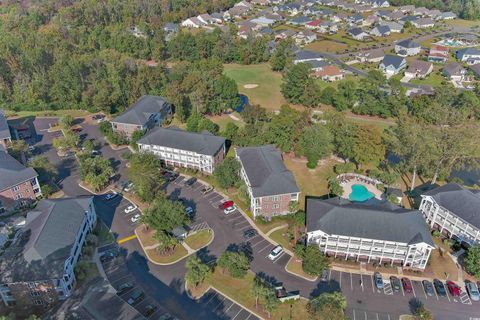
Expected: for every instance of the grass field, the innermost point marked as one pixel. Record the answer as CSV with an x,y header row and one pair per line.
x,y
267,94
199,239
280,237
296,267
433,79
326,46
223,119
179,253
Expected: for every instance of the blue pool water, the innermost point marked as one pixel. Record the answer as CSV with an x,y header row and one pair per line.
x,y
360,193
243,102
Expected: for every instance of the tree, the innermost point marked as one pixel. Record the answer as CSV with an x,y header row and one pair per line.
x,y
145,174
66,121
47,172
197,271
136,135
315,142
270,302
264,293
66,142
329,306
369,147
328,95
237,263
258,288
252,114
285,127
281,57
198,123
166,242
334,187
96,172
17,148
344,135
294,82
230,131
472,261
314,261
227,173
421,313
164,214
311,94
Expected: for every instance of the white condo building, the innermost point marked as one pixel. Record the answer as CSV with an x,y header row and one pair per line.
x,y
178,148
453,210
382,233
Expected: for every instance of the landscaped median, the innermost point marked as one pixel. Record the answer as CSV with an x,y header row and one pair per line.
x,y
295,267
192,243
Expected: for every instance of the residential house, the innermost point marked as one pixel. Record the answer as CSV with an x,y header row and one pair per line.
x,y
358,34
339,17
407,9
438,54
355,19
395,15
260,2
454,71
421,11
263,21
328,27
147,112
317,65
375,55
299,21
422,23
192,22
170,29
205,18
391,65
37,270
407,19
18,184
5,136
419,69
330,73
446,16
384,14
378,3
313,25
305,37
243,4
453,210
178,148
217,17
285,34
381,233
306,55
469,55
476,70
380,31
394,26
271,186
407,48
371,20
237,12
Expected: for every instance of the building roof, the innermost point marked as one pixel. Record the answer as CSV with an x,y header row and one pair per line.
x,y
437,47
419,66
315,64
476,69
356,31
462,202
391,60
201,143
46,241
329,71
13,172
381,221
468,51
307,55
383,29
266,171
408,44
424,21
453,68
140,112
4,129
372,54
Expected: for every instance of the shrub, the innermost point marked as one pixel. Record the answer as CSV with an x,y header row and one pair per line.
x,y
344,167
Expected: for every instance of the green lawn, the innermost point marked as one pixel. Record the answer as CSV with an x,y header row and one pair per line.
x,y
224,119
267,94
326,46
199,239
434,79
280,237
324,84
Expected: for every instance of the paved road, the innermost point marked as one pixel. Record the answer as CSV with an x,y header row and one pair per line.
x,y
165,283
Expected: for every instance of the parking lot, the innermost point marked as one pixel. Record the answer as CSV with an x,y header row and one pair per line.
x,y
225,307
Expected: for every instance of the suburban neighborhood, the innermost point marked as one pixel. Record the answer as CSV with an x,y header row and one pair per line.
x,y
254,159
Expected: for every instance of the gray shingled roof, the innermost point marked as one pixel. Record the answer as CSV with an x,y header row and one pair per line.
x,y
266,171
13,172
139,113
4,129
202,143
409,44
394,61
458,200
46,241
382,221
307,55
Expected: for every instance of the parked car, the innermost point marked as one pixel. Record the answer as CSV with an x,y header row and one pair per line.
x,y
189,211
378,280
108,255
249,233
395,282
226,204
428,287
135,297
229,210
407,285
111,195
324,275
171,176
439,287
207,189
130,208
472,290
190,181
31,148
149,310
275,253
135,218
95,153
453,288
124,288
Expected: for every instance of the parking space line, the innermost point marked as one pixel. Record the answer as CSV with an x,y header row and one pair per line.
x,y
256,244
249,315
239,223
361,282
423,289
268,245
219,304
246,228
237,313
373,289
413,290
351,281
121,278
435,291
353,314
278,258
229,307
401,287
341,278
211,298
329,274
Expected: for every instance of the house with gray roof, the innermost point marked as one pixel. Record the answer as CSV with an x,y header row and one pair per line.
x,y
469,55
200,151
358,34
378,232
306,55
375,55
271,186
391,65
146,113
38,268
422,23
381,31
454,71
453,210
5,136
407,48
19,185
446,16
419,69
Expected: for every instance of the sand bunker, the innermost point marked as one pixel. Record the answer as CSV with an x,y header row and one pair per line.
x,y
250,86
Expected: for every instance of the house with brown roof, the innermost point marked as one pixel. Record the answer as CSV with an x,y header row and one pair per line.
x,y
375,55
438,54
454,71
419,69
330,73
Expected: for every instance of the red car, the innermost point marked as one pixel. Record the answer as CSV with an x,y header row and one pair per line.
x,y
226,204
407,285
453,288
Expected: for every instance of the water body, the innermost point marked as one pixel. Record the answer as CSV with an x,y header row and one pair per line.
x,y
243,103
360,193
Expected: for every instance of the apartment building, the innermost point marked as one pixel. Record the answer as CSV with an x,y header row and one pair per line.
x,y
453,210
37,270
5,136
271,186
18,184
381,233
146,113
178,148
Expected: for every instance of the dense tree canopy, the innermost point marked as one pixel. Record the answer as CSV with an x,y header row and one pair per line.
x,y
145,174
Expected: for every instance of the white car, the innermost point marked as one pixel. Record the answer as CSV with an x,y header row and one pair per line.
x,y
275,253
135,218
229,210
130,208
189,211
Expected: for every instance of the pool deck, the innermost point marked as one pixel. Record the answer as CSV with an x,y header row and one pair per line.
x,y
347,188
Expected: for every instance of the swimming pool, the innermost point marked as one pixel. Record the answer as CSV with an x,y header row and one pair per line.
x,y
360,193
